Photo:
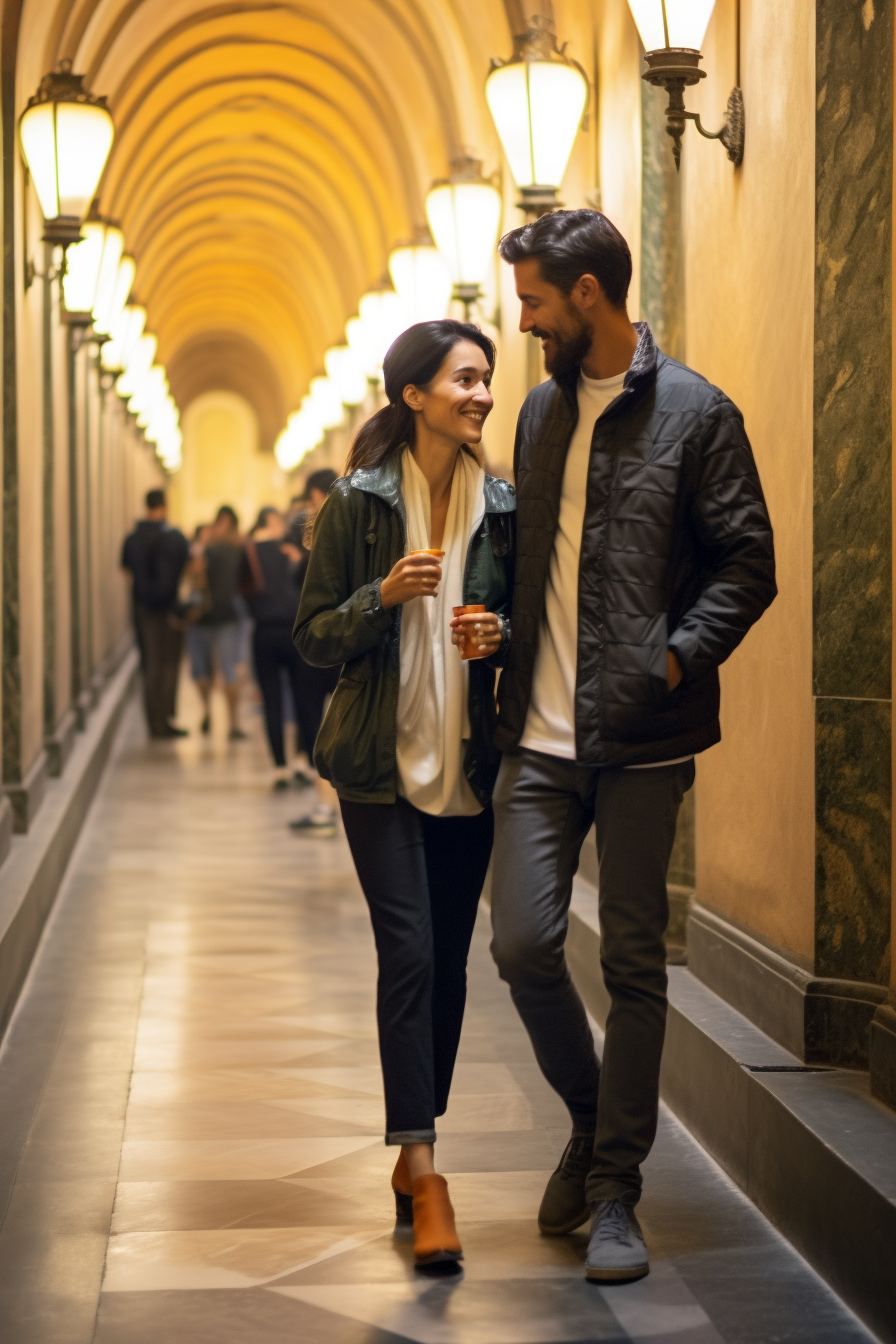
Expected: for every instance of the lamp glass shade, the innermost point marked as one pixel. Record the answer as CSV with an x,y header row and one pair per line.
x,y
113,247
327,402
421,281
464,218
361,346
384,317
83,268
127,329
671,23
114,297
66,146
537,109
140,362
346,373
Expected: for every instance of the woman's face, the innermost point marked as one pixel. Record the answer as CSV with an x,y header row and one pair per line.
x,y
273,525
457,401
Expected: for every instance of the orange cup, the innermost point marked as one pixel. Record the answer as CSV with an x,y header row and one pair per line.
x,y
427,551
466,645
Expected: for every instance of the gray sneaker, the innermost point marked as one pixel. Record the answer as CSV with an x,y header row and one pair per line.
x,y
616,1251
564,1206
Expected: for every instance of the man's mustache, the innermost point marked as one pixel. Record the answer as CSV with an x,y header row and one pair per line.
x,y
539,334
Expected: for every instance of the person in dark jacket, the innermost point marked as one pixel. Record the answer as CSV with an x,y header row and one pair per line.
x,y
214,640
273,573
415,530
155,555
644,556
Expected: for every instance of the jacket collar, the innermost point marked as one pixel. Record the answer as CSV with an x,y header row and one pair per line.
x,y
384,481
641,373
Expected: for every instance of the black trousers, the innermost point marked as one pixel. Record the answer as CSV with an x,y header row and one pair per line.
x,y
422,877
161,647
273,651
544,807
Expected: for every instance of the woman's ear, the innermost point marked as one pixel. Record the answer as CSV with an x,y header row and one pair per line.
x,y
412,398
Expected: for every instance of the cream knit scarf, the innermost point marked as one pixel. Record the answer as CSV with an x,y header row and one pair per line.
x,y
433,718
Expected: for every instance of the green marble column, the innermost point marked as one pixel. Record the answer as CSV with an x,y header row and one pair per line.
x,y
852,589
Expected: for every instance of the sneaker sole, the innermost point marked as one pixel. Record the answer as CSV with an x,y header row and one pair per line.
x,y
616,1275
547,1231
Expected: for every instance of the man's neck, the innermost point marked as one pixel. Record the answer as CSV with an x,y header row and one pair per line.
x,y
613,346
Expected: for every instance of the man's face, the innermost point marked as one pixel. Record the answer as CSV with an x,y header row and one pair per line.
x,y
551,317
316,497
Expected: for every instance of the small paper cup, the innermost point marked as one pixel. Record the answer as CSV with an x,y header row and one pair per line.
x,y
466,645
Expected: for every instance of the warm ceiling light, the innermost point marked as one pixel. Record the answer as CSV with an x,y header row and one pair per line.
x,y
537,100
346,373
66,134
327,402
83,269
384,318
127,330
361,346
672,32
112,298
464,215
421,281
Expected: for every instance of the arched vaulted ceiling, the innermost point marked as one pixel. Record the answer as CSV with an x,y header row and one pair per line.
x,y
268,155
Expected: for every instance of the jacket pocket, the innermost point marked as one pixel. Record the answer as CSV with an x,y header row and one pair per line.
x,y
345,741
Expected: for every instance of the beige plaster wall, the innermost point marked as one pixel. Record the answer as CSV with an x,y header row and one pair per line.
x,y
749,268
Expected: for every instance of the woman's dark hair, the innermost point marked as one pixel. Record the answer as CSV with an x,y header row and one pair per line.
x,y
262,520
570,243
226,511
415,358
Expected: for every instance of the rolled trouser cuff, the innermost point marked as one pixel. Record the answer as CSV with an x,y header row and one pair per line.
x,y
630,1192
400,1136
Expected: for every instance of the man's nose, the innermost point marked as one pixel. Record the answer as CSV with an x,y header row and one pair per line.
x,y
527,321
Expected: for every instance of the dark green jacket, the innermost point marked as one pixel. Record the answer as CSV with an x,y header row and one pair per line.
x,y
359,534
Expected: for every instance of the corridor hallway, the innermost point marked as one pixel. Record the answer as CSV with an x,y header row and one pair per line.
x,y
191,1147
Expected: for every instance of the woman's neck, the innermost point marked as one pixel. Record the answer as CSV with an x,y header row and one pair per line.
x,y
436,456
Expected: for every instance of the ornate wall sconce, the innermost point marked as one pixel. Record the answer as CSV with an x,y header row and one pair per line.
x,y
538,100
464,214
672,32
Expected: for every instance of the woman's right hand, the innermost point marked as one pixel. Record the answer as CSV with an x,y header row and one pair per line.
x,y
415,575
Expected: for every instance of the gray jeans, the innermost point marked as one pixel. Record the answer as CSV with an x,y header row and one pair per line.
x,y
544,807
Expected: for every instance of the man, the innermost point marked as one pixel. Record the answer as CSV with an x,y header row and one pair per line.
x,y
304,507
644,555
155,555
215,637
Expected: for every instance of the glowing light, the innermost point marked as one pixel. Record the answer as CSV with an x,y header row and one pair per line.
x,y
347,374
537,108
66,136
421,280
672,23
464,215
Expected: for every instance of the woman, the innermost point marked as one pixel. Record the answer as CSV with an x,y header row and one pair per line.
x,y
415,529
273,575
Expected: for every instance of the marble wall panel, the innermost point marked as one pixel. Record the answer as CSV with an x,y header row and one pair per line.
x,y
852,573
852,498
852,813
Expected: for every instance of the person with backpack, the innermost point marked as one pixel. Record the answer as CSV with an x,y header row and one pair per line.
x,y
155,554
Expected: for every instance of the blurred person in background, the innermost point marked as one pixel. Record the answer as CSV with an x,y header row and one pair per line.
x,y
155,554
272,582
214,640
317,683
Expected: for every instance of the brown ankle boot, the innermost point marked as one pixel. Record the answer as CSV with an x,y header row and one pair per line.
x,y
435,1236
401,1186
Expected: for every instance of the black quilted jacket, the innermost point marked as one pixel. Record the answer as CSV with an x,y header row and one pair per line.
x,y
677,554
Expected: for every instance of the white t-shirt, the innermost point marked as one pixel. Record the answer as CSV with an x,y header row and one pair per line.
x,y
551,721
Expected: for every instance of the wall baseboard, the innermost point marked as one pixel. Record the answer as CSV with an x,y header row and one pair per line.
x,y
59,747
883,1054
821,1021
26,797
5,827
37,861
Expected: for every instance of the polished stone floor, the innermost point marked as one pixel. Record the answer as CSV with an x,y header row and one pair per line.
x,y
190,1128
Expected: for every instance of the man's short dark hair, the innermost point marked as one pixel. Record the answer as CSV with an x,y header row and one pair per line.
x,y
155,499
568,244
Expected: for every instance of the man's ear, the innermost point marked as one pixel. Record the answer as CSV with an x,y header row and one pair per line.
x,y
586,291
412,397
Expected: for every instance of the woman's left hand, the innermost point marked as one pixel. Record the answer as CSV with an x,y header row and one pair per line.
x,y
484,630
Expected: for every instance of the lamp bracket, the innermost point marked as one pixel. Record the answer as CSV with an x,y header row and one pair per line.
x,y
675,69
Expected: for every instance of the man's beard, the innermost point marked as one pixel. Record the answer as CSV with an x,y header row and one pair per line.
x,y
568,354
